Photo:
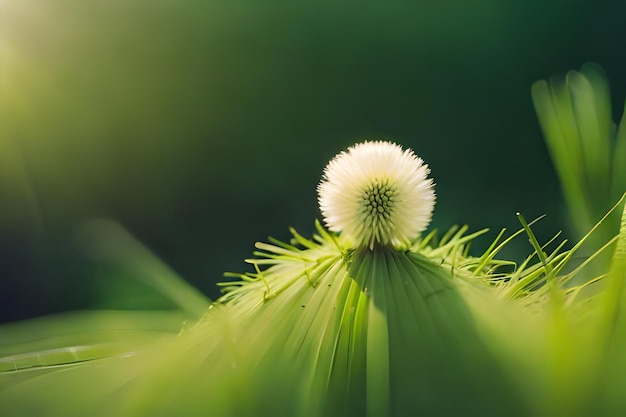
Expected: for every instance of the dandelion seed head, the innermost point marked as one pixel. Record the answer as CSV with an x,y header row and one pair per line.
x,y
376,193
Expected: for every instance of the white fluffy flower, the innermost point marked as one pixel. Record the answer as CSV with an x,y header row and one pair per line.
x,y
376,193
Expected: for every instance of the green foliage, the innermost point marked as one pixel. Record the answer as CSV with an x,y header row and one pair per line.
x,y
587,148
322,327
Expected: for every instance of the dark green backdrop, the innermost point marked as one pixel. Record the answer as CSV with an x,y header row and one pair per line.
x,y
203,126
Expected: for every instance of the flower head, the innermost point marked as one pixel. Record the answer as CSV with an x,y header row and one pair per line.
x,y
376,193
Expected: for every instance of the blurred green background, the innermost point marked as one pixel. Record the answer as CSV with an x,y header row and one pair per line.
x,y
204,126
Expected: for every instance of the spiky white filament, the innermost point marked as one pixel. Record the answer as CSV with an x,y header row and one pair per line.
x,y
376,193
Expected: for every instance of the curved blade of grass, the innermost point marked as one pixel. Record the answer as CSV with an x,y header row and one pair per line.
x,y
110,240
618,179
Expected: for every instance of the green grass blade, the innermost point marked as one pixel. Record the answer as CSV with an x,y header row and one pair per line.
x,y
111,241
618,179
